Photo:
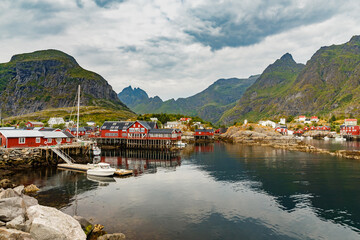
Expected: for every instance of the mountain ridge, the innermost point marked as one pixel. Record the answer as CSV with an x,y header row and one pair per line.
x,y
44,79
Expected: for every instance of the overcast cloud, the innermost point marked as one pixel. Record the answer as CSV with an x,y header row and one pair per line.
x,y
175,48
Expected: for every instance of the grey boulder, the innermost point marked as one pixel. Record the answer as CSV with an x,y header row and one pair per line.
x,y
50,223
11,208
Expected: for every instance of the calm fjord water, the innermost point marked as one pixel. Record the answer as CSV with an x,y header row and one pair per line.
x,y
217,191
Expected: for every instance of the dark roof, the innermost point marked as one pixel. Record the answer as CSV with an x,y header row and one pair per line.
x,y
123,125
204,130
47,129
69,135
152,124
145,124
81,129
116,125
161,131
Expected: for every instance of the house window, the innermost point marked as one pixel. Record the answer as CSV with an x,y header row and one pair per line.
x,y
37,140
21,140
50,140
67,139
142,129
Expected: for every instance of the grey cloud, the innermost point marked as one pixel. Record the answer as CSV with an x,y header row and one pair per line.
x,y
107,3
230,29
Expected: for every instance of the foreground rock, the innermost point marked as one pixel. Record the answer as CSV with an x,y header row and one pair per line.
x,y
50,223
24,219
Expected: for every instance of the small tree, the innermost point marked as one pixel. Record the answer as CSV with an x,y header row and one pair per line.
x,y
332,119
22,125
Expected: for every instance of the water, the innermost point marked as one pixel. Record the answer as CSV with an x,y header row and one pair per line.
x,y
217,191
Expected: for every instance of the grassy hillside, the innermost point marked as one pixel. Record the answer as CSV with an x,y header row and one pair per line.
x,y
88,113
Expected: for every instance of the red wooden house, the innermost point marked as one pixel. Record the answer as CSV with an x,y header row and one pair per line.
x,y
32,138
204,133
350,130
73,131
306,128
34,124
138,130
312,128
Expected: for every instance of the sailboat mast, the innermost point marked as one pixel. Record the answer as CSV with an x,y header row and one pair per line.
x,y
78,114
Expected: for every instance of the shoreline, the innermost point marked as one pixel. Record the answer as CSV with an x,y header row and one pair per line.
x,y
292,145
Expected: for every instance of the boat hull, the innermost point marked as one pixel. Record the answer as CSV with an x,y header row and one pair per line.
x,y
101,172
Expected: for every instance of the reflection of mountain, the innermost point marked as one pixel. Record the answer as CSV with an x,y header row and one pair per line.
x,y
141,160
58,187
296,180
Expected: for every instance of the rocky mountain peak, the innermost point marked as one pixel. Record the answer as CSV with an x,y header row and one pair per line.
x,y
355,39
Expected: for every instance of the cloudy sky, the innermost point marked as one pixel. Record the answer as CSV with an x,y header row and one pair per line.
x,y
175,48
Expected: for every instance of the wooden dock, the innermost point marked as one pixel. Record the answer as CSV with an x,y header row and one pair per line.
x,y
84,167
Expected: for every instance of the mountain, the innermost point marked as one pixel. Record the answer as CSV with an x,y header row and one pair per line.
x,y
328,84
209,104
48,79
260,100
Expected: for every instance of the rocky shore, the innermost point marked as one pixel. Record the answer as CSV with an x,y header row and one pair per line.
x,y
22,218
263,136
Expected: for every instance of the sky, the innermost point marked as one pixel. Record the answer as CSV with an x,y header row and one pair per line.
x,y
175,48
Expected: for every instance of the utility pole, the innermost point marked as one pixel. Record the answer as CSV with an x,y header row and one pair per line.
x,y
78,114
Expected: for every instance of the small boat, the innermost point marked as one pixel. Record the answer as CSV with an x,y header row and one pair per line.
x,y
340,139
100,179
96,150
180,144
326,138
309,137
101,170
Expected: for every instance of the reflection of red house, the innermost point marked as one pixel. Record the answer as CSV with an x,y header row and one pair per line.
x,y
306,128
204,148
34,124
33,138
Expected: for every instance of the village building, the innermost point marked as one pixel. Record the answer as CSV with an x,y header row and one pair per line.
x,y
350,122
282,129
204,134
74,131
314,119
69,123
307,120
221,130
33,138
185,120
56,121
306,128
174,124
138,134
154,119
301,118
91,124
34,124
350,130
282,121
267,123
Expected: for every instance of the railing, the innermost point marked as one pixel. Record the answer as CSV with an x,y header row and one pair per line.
x,y
63,155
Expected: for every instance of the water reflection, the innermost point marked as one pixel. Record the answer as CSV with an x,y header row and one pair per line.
x,y
141,161
218,191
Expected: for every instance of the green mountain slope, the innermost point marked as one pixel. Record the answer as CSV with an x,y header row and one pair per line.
x,y
46,79
209,104
260,100
328,84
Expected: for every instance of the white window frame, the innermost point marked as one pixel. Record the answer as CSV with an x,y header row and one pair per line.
x,y
67,139
49,140
38,140
22,140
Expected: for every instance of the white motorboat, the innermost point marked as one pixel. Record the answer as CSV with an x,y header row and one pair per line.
x,y
101,170
96,150
326,138
340,139
180,144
